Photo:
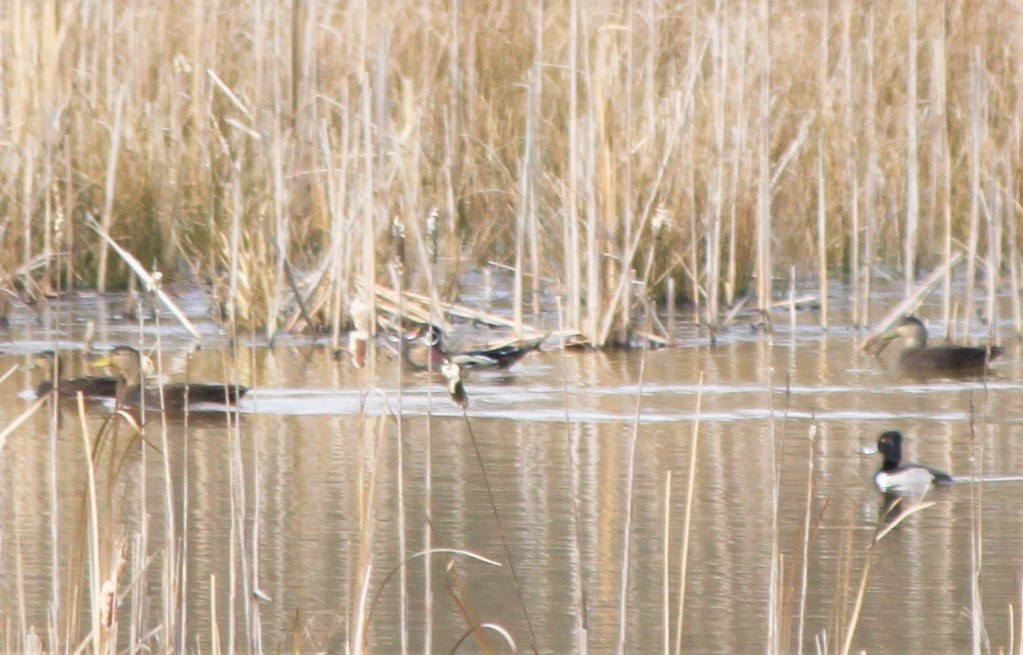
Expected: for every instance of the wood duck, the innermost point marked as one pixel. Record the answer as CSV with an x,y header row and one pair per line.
x,y
127,363
897,478
91,386
424,348
917,356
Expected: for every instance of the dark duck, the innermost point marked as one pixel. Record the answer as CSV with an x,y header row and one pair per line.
x,y
127,363
91,386
917,356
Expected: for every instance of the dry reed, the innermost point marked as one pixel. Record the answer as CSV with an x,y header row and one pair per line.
x,y
277,143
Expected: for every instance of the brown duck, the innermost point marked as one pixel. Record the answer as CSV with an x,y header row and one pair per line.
x,y
91,386
127,363
917,356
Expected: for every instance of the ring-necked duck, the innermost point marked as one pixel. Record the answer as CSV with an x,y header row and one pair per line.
x,y
894,477
916,355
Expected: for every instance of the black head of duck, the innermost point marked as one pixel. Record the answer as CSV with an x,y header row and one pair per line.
x,y
897,478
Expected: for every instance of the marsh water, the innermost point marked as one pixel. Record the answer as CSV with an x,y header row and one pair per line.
x,y
303,499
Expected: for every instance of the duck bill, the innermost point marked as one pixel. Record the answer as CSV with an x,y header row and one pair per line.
x,y
884,341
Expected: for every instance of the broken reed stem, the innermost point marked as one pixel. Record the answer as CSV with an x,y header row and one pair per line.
x,y
428,262
666,570
822,237
775,575
909,303
870,170
717,190
95,585
993,261
912,157
630,476
572,447
172,561
151,282
1014,268
500,531
688,520
978,632
57,619
24,416
399,268
805,563
370,457
214,619
253,593
792,304
763,216
861,591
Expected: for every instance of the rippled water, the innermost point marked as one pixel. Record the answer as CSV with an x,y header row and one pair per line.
x,y
313,477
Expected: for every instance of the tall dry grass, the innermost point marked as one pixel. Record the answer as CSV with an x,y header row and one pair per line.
x,y
265,147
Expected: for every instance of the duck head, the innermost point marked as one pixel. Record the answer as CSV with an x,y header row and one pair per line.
x,y
889,444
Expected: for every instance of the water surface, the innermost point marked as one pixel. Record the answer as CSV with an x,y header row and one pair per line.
x,y
310,476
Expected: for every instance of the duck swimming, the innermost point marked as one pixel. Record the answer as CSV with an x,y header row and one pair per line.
x,y
424,348
900,479
91,386
127,363
917,356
